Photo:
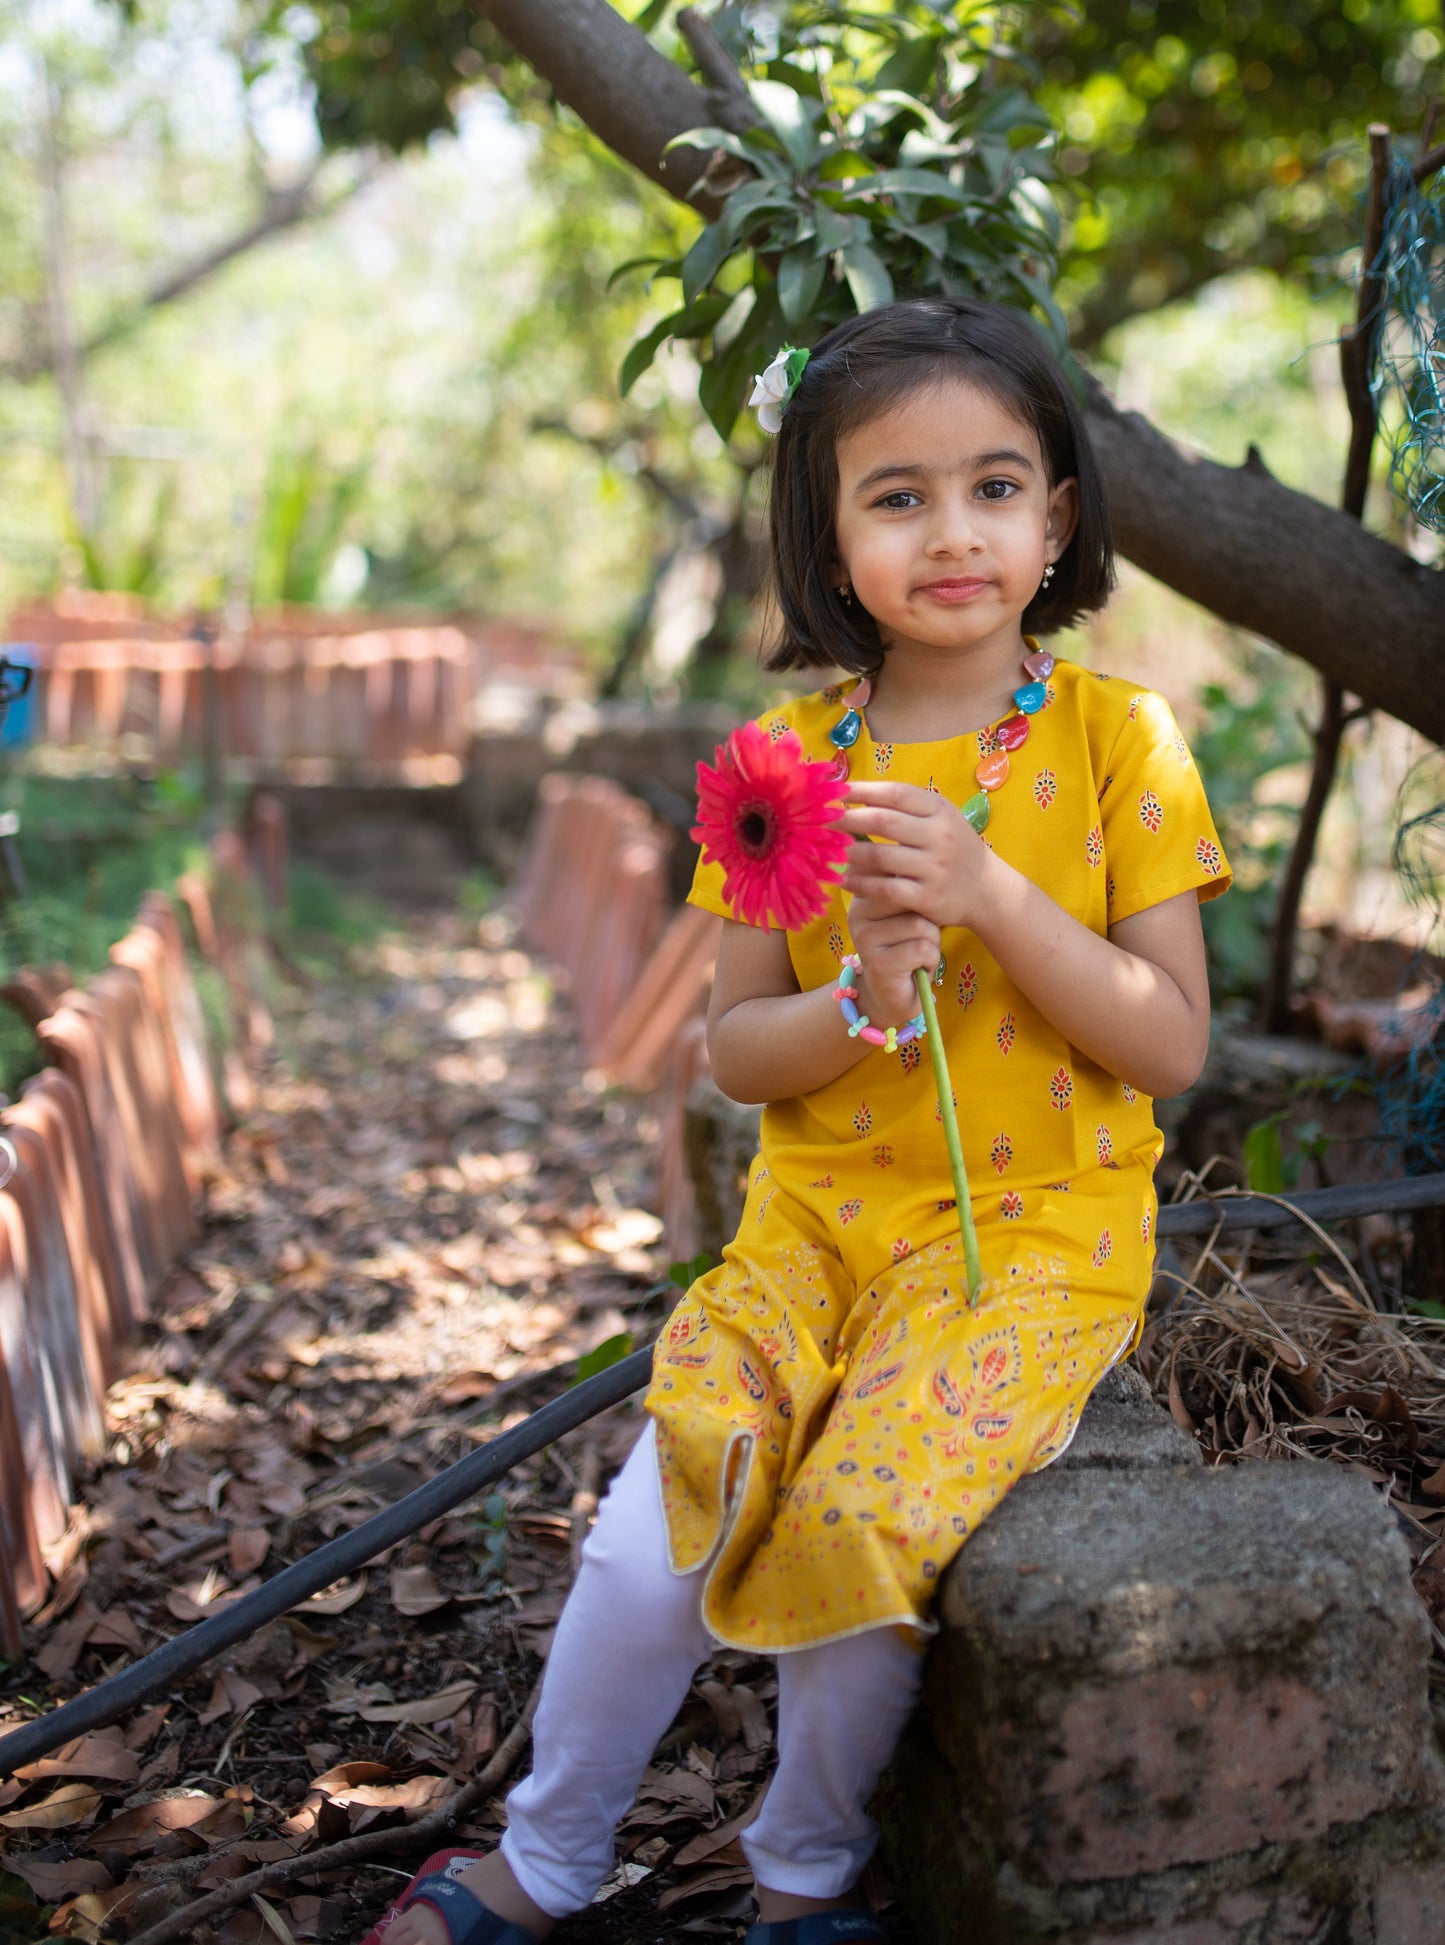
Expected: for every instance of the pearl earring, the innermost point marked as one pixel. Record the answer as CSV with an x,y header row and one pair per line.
x,y
1048,573
845,595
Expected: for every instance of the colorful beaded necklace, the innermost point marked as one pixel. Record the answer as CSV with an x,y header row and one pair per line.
x,y
1011,734
990,774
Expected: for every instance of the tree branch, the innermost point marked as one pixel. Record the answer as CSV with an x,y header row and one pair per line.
x,y
1234,539
629,95
1285,566
283,210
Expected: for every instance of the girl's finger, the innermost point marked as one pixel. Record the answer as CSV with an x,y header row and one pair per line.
x,y
895,825
901,867
892,796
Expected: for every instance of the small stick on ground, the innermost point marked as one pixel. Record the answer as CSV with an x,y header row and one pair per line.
x,y
584,1501
354,1850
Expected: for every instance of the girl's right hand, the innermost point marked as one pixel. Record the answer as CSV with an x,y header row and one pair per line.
x,y
892,945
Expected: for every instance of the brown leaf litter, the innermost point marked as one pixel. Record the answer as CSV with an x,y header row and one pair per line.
x,y
430,1213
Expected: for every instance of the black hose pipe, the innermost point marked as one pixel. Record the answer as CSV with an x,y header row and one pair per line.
x,y
119,1693
1240,1210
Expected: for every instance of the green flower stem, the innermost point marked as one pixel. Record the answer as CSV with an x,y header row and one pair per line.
x,y
944,1083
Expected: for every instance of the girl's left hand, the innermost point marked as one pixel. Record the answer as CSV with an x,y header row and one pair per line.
x,y
933,861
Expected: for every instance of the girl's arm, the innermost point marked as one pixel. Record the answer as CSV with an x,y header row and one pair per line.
x,y
767,1040
1137,1002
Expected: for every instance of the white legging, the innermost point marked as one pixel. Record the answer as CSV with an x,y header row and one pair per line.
x,y
628,1644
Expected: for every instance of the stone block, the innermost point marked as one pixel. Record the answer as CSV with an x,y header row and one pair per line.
x,y
1409,1905
1174,1703
1122,1427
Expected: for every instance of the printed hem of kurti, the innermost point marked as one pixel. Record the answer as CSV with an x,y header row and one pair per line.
x,y
1125,1350
917,1416
727,1521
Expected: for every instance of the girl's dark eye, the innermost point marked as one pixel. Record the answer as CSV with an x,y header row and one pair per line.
x,y
998,489
902,498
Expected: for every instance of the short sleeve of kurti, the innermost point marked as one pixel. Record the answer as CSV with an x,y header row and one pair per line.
x,y
1158,836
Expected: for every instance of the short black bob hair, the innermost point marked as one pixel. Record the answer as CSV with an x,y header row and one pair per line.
x,y
860,369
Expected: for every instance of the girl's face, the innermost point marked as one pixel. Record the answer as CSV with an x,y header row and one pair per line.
x,y
946,520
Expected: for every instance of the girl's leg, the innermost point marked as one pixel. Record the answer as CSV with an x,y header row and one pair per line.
x,y
627,1646
841,1710
626,1649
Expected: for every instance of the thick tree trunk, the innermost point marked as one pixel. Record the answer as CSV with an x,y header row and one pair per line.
x,y
1231,538
1280,564
609,74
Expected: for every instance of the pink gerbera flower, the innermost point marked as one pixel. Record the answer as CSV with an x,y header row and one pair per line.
x,y
768,816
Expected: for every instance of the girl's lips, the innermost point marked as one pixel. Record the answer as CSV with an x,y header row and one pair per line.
x,y
954,590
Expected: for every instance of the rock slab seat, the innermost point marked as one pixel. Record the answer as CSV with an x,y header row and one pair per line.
x,y
1174,1705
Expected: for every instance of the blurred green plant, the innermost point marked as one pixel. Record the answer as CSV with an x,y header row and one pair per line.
x,y
1246,733
306,502
479,892
896,154
603,1356
126,554
490,1527
91,848
684,1275
326,918
1269,1167
22,1916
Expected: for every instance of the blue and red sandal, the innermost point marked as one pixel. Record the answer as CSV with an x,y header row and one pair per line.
x,y
848,1927
466,1918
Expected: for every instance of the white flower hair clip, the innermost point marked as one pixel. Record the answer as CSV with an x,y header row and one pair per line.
x,y
774,387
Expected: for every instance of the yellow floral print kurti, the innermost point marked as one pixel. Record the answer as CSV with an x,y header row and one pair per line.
x,y
832,1418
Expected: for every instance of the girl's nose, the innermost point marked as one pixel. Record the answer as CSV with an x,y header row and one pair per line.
x,y
954,530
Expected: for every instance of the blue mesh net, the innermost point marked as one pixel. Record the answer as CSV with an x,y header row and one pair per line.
x,y
1412,1093
1408,376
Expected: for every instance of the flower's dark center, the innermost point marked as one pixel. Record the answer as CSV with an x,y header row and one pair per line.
x,y
755,827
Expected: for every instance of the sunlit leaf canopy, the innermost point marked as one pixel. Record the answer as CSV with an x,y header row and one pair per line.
x,y
897,152
1207,136
1194,137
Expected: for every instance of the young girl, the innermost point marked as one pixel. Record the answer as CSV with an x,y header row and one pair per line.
x,y
830,1417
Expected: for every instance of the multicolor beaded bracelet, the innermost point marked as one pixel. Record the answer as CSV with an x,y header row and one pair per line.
x,y
889,1038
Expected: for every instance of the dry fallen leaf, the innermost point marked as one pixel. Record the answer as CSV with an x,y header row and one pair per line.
x,y
231,1694
708,1842
628,1229
348,1776
248,1547
309,1643
146,1725
368,1802
63,1809
719,1876
102,1757
414,1591
63,1649
93,1910
116,1629
335,1599
373,1703
275,1923
54,1883
142,1828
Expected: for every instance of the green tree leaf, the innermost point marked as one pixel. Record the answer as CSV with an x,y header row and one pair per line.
x,y
790,118
610,1351
1264,1157
701,263
800,278
867,277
